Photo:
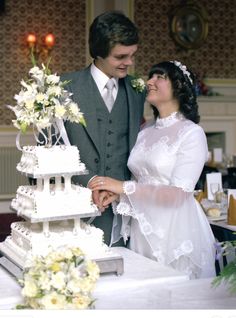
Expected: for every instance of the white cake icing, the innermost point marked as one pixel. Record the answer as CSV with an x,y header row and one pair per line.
x,y
32,238
53,207
41,160
36,202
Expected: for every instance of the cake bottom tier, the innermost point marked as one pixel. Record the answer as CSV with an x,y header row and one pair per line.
x,y
27,238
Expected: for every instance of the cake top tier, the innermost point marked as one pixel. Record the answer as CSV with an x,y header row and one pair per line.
x,y
39,161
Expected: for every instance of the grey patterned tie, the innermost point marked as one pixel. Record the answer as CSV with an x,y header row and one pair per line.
x,y
108,97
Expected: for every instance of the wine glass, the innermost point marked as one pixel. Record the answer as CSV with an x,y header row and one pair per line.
x,y
215,187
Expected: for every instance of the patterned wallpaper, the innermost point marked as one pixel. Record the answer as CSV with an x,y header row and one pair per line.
x,y
216,58
67,20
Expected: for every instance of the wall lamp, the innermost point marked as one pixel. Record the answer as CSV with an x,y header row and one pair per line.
x,y
42,49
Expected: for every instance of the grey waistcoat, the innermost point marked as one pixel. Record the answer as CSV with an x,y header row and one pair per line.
x,y
113,134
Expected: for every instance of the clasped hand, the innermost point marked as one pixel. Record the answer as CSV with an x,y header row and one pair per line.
x,y
105,191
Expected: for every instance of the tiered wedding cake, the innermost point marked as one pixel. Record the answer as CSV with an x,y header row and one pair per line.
x,y
52,208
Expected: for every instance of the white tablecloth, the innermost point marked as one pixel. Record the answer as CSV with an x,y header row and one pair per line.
x,y
144,285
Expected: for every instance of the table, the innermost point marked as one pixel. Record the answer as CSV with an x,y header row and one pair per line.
x,y
223,224
144,285
224,232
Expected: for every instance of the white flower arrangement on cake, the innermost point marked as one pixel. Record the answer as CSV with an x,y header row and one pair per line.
x,y
63,279
43,102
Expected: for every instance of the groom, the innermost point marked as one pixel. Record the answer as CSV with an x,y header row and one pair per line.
x,y
112,121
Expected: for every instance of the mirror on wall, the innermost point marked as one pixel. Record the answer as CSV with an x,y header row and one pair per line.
x,y
189,25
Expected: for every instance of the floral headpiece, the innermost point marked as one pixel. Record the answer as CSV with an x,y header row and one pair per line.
x,y
183,69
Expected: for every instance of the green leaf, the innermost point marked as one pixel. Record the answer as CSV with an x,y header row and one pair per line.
x,y
64,83
48,71
23,127
32,57
227,275
83,122
22,307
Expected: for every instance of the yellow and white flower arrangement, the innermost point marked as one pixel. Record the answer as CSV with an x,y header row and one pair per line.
x,y
63,279
42,100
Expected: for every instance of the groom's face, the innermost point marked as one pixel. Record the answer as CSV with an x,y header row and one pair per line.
x,y
117,62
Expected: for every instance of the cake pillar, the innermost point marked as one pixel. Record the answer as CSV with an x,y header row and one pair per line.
x,y
57,183
76,226
46,231
46,186
40,184
67,183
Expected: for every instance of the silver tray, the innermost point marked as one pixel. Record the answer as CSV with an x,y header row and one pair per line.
x,y
110,264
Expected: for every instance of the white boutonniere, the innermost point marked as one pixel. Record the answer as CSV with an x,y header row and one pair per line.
x,y
138,84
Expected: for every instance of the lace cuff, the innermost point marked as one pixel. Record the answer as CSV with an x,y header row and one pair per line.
x,y
129,187
124,207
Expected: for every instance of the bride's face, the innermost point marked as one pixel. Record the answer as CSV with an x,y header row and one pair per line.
x,y
159,90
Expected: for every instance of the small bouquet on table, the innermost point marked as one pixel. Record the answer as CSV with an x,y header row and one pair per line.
x,y
63,279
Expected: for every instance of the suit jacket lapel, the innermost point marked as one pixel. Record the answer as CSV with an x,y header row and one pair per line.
x,y
134,116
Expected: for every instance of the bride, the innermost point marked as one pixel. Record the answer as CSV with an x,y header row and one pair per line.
x,y
158,209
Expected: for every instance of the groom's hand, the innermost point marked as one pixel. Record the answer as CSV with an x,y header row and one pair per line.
x,y
106,198
99,197
111,197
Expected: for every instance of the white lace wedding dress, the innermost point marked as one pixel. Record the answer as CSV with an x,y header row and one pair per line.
x,y
159,212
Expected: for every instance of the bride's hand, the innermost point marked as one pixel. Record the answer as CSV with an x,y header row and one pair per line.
x,y
106,183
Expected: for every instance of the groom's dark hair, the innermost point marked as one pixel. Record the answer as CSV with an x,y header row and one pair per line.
x,y
107,30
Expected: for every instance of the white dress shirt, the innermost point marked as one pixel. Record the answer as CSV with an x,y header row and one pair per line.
x,y
101,79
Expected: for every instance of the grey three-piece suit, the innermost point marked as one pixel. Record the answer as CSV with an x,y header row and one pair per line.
x,y
106,141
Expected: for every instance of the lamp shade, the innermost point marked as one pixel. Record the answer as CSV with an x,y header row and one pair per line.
x,y
31,39
49,40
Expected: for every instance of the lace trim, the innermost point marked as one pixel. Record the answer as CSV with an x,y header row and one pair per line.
x,y
185,248
125,209
168,121
129,187
145,227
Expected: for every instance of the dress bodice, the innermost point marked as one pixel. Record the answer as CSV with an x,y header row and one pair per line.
x,y
155,157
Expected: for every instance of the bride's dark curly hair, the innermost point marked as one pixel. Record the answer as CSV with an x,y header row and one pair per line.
x,y
183,90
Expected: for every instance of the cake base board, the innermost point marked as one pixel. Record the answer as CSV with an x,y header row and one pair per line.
x,y
113,263
11,267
